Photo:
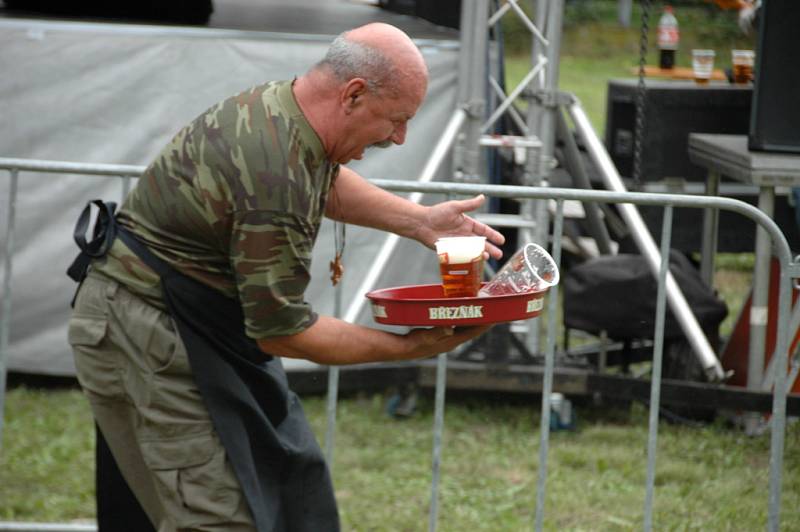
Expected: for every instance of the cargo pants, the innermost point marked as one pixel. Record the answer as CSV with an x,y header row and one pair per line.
x,y
133,368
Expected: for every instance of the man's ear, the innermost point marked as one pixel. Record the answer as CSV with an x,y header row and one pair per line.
x,y
352,93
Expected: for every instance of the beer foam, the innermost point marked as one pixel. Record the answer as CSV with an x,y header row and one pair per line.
x,y
461,249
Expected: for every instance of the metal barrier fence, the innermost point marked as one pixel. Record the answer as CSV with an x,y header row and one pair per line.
x,y
780,247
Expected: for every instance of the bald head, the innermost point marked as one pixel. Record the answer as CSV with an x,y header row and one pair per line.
x,y
363,93
381,54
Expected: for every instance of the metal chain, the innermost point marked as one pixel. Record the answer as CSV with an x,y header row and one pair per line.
x,y
640,101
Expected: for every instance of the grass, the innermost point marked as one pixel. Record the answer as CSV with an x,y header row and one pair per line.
x,y
47,457
708,478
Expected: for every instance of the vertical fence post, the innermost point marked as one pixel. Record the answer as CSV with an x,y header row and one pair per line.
x,y
549,364
5,316
779,392
655,382
438,429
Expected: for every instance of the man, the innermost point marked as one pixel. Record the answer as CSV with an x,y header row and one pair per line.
x,y
179,328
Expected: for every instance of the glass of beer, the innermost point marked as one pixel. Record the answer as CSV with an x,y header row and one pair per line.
x,y
461,264
530,269
743,61
702,65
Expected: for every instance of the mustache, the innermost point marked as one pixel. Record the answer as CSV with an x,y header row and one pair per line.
x,y
382,144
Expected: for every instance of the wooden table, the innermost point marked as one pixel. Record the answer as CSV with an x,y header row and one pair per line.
x,y
677,72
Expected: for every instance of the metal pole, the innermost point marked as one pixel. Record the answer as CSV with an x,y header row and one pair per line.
x,y
472,82
438,429
624,9
574,164
66,167
646,245
710,232
537,46
11,526
509,100
465,62
541,120
547,125
655,382
5,319
476,89
759,310
428,173
547,378
465,52
779,397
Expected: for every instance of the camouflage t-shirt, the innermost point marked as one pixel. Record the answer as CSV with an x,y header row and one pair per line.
x,y
234,201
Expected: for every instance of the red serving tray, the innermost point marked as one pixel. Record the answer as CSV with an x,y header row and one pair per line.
x,y
425,305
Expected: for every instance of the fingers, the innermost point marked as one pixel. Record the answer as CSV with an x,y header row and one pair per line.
x,y
442,339
454,336
470,204
493,238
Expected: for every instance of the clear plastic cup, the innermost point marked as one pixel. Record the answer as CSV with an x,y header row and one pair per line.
x,y
530,269
702,65
461,264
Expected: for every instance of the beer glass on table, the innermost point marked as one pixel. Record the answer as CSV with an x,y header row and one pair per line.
x,y
702,65
742,61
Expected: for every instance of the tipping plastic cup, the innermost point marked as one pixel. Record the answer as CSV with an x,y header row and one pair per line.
x,y
461,264
530,269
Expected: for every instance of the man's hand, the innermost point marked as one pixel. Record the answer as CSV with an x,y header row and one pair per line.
x,y
430,342
448,219
334,342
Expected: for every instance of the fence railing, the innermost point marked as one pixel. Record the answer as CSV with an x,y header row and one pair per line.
x,y
781,251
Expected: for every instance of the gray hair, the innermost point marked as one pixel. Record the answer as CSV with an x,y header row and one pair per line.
x,y
349,59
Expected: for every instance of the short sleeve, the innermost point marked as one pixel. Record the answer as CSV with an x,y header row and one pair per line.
x,y
271,261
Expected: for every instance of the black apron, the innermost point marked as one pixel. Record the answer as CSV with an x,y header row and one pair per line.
x,y
260,422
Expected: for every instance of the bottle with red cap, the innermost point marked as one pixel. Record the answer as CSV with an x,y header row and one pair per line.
x,y
668,37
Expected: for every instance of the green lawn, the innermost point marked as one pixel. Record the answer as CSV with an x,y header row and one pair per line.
x,y
708,478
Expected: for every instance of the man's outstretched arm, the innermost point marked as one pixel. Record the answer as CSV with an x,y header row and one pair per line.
x,y
334,342
357,201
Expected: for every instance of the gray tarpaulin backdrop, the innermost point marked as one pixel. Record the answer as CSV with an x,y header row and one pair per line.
x,y
115,94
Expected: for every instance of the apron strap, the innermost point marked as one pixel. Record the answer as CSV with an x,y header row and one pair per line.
x,y
105,230
143,252
103,235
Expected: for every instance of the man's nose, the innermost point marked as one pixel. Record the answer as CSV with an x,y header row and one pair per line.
x,y
399,135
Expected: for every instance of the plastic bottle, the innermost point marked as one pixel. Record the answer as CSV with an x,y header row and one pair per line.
x,y
668,37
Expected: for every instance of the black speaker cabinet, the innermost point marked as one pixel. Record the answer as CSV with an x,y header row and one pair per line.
x,y
775,120
673,110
